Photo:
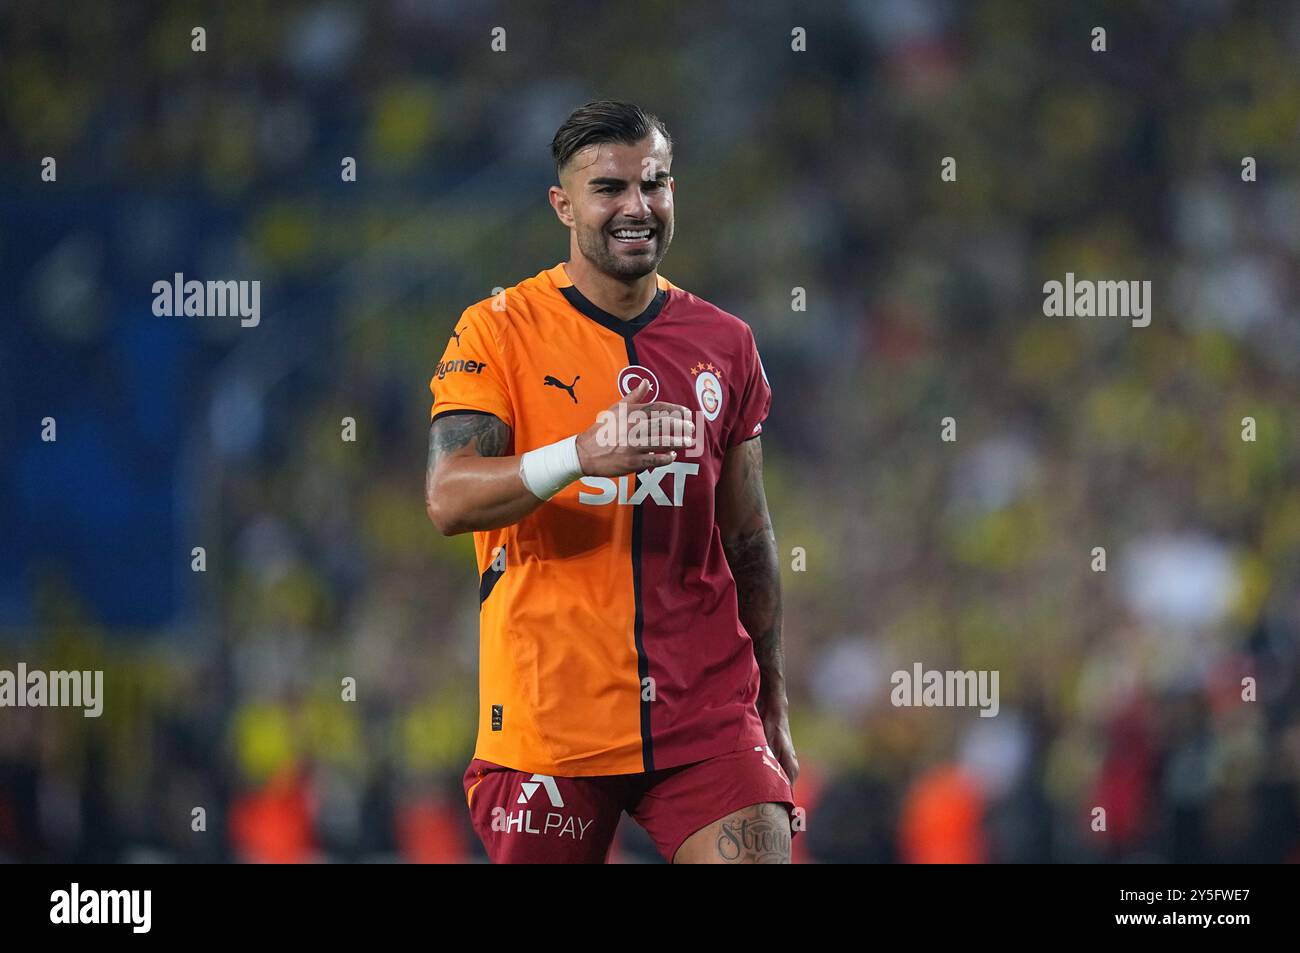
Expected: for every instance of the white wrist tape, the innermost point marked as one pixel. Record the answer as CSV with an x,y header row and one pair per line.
x,y
548,470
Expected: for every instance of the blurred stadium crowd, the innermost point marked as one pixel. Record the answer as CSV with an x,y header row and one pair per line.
x,y
819,170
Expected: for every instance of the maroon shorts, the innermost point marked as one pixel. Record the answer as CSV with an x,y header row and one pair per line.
x,y
539,819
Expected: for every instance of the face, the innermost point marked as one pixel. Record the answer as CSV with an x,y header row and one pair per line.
x,y
618,199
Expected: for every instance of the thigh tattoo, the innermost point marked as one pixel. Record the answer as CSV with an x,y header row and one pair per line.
x,y
755,835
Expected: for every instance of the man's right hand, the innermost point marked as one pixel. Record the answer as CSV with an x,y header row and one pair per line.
x,y
606,448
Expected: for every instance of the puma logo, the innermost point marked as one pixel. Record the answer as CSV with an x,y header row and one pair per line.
x,y
456,335
556,382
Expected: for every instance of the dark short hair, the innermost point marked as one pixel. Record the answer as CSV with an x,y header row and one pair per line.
x,y
605,120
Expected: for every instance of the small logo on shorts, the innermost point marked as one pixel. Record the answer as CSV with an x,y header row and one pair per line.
x,y
497,711
766,752
552,823
540,781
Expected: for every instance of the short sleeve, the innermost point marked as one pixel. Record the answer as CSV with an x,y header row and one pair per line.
x,y
755,399
471,377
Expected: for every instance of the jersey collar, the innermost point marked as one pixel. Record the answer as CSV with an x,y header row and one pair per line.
x,y
585,306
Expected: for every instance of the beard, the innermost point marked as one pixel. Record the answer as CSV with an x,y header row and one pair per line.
x,y
602,250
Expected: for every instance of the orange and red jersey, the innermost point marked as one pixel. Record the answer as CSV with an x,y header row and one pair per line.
x,y
610,641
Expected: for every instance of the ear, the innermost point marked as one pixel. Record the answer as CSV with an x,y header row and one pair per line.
x,y
560,201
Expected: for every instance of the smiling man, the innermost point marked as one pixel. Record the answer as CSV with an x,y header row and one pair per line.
x,y
629,595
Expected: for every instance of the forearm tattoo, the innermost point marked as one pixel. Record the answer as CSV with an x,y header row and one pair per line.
x,y
760,835
755,565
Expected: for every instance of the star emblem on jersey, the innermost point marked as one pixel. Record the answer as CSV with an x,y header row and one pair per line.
x,y
540,781
708,389
630,377
551,381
